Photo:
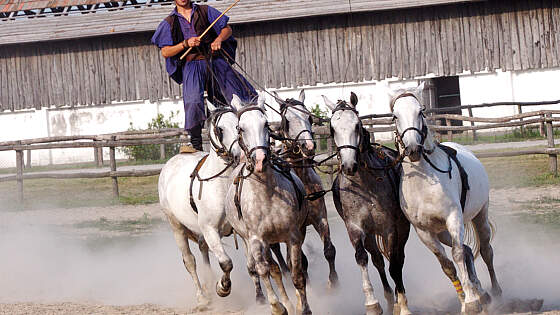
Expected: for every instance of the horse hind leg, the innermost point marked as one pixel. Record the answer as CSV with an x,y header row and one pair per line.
x,y
257,250
298,277
483,228
277,276
280,258
181,235
396,264
379,263
213,239
322,228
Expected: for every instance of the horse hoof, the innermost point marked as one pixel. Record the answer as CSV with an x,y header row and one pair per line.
x,y
279,309
496,292
223,290
203,305
332,284
259,298
473,307
374,309
485,299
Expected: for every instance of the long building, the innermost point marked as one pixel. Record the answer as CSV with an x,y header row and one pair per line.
x,y
87,67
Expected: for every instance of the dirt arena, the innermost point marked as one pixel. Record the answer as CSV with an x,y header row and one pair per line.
x,y
123,260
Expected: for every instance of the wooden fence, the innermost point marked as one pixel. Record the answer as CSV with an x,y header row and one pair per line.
x,y
542,119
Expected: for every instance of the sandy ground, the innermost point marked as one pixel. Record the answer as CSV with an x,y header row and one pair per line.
x,y
26,289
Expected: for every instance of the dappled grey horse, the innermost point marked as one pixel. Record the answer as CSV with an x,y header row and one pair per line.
x,y
365,196
298,148
196,211
444,188
265,205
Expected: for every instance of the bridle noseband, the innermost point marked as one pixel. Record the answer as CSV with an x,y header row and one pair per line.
x,y
342,105
292,144
220,148
248,152
423,132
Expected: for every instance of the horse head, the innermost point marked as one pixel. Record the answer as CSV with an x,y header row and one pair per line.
x,y
253,131
296,125
346,130
413,136
223,134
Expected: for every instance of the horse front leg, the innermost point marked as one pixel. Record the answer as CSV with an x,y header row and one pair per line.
x,y
257,251
279,257
252,270
396,265
377,259
213,239
321,225
298,277
277,276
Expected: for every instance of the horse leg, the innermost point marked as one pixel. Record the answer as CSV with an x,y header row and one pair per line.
x,y
181,238
208,275
279,258
277,276
482,227
456,229
322,228
379,263
257,250
356,236
251,268
431,241
213,239
396,264
298,277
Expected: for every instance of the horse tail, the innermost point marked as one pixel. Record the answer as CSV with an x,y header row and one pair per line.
x,y
471,239
382,245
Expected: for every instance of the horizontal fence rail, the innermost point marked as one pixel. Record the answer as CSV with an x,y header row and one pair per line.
x,y
542,119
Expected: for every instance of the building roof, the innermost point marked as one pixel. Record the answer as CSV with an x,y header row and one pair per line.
x,y
105,18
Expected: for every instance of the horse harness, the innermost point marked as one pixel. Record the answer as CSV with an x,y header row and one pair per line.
x,y
240,178
219,148
451,153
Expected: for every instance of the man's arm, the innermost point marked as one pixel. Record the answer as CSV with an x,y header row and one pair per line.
x,y
224,34
170,51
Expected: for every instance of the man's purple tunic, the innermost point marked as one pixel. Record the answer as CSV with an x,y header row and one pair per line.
x,y
195,73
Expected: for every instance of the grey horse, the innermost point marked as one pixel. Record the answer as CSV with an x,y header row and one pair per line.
x,y
365,196
265,205
298,148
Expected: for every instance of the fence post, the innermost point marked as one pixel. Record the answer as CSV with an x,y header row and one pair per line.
x,y
472,125
541,128
162,151
99,152
520,110
330,150
113,165
28,164
19,174
449,132
552,158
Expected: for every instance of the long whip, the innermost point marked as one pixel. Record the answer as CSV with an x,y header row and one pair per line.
x,y
209,27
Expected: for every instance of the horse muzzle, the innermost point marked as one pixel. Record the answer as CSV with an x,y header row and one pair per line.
x,y
259,159
350,168
414,155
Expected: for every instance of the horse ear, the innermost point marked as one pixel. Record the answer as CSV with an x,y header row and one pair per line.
x,y
302,96
261,100
210,106
277,98
353,99
328,102
420,89
236,102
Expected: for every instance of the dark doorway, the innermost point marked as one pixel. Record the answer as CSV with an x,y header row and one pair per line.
x,y
447,94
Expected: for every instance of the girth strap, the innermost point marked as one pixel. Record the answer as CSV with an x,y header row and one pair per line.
x,y
194,175
452,155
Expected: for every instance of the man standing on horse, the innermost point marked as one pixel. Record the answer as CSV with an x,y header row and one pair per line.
x,y
207,67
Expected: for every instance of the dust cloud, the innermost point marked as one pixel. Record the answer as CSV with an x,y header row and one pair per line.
x,y
50,264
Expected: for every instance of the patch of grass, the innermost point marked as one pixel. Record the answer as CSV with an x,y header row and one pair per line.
x,y
519,171
71,193
142,224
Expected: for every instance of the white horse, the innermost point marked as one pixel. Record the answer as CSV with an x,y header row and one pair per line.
x,y
199,215
430,196
265,205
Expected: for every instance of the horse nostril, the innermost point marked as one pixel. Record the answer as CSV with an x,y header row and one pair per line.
x,y
407,151
354,167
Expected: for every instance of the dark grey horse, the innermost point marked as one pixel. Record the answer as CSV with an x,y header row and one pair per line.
x,y
365,196
298,148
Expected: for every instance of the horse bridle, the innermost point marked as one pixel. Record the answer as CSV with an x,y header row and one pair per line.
x,y
292,144
422,132
220,148
342,105
242,144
